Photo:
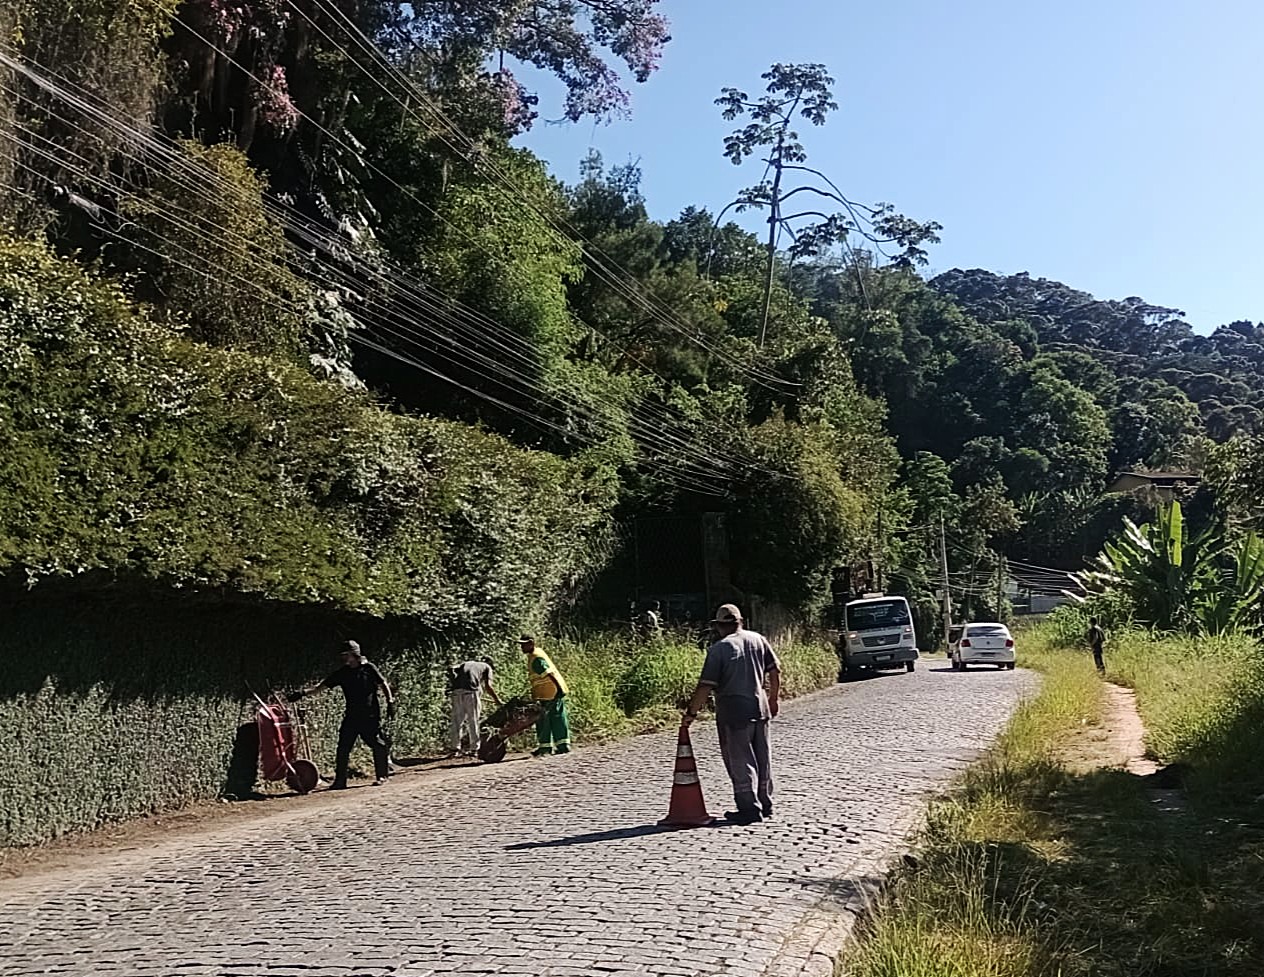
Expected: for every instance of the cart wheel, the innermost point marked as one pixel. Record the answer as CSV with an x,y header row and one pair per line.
x,y
493,749
304,776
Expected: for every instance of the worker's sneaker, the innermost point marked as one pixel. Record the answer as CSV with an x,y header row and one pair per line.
x,y
337,786
743,817
768,813
379,782
562,749
543,751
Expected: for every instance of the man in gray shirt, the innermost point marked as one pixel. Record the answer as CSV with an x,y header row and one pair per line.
x,y
743,672
466,684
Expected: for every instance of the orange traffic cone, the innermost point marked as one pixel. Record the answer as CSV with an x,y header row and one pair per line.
x,y
687,809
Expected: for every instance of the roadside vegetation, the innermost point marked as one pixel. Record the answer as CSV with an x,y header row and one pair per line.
x,y
620,687
1031,868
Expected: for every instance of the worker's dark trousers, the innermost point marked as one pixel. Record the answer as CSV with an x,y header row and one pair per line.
x,y
1097,660
368,728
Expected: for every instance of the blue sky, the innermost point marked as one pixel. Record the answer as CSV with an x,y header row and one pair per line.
x,y
1115,146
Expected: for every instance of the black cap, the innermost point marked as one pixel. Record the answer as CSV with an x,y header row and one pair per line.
x,y
350,646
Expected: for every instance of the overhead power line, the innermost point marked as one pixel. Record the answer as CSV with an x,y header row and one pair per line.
x,y
671,440
735,457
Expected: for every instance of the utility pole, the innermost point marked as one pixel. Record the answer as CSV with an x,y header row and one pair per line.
x,y
1000,586
943,562
774,216
881,549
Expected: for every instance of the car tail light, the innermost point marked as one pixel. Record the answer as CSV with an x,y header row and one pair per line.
x,y
965,642
1009,642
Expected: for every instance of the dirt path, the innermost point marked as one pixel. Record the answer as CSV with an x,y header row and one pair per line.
x,y
1118,740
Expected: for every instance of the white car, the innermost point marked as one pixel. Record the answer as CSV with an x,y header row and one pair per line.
x,y
983,643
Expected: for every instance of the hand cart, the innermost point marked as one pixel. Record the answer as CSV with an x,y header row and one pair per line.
x,y
511,718
285,752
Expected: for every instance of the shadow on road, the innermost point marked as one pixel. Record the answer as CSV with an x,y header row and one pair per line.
x,y
614,834
857,894
976,670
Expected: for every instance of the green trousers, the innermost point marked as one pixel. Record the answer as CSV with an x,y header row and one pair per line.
x,y
553,728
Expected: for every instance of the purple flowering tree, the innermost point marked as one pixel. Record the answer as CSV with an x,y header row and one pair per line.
x,y
305,58
590,45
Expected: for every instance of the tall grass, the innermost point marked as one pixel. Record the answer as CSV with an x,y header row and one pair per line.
x,y
973,906
1031,870
1202,699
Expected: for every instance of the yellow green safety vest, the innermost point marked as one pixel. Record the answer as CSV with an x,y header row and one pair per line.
x,y
542,686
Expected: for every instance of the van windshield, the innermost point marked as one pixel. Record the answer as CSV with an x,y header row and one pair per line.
x,y
880,614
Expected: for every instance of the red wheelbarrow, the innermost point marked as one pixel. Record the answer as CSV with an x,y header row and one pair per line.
x,y
511,718
285,753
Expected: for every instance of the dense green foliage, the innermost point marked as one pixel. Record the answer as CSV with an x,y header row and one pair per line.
x,y
129,451
1165,577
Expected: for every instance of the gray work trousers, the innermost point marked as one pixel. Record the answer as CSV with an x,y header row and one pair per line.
x,y
749,763
467,709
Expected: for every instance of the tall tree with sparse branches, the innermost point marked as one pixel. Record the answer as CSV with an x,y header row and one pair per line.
x,y
805,91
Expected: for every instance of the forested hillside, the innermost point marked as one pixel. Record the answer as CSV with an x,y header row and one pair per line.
x,y
334,188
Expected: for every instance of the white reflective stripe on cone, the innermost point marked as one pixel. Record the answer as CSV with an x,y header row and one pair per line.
x,y
683,750
685,779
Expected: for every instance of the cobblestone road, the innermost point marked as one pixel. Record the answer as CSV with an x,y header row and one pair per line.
x,y
547,867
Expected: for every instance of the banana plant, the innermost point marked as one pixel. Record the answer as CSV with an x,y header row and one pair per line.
x,y
1176,583
1238,604
1163,574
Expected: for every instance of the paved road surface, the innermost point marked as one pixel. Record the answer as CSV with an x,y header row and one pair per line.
x,y
543,867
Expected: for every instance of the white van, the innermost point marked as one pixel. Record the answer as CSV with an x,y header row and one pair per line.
x,y
877,634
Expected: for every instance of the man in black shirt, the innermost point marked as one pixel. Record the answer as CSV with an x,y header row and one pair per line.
x,y
359,680
1096,639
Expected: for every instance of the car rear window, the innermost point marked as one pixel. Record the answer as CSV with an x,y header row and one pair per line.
x,y
984,630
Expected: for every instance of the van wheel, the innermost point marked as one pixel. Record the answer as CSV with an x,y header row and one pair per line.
x,y
1010,666
909,666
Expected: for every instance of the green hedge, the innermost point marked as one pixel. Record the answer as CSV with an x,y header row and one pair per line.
x,y
111,710
126,450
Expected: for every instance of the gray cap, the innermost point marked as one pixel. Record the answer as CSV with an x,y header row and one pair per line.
x,y
350,646
727,614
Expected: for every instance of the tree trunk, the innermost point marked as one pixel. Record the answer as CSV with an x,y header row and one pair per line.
x,y
773,213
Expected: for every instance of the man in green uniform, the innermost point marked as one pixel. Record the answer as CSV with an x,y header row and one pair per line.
x,y
548,688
